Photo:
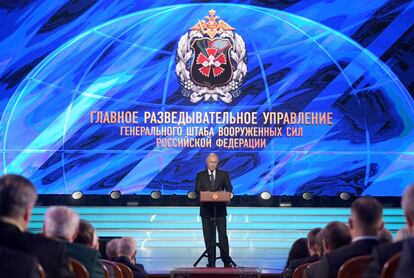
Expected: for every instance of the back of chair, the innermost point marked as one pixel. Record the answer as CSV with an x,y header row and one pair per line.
x,y
79,269
298,273
390,267
106,271
113,269
40,271
354,267
126,272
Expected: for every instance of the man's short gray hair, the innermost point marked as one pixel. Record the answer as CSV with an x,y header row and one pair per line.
x,y
127,246
16,195
61,221
111,248
407,202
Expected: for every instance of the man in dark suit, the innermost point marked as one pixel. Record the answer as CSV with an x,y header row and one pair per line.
x,y
61,223
213,179
406,266
365,223
127,250
382,253
334,235
17,197
17,265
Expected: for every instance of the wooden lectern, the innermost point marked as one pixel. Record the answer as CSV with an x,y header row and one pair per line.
x,y
214,197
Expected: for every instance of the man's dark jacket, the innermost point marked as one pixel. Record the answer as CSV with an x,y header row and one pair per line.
x,y
222,183
137,269
51,254
330,263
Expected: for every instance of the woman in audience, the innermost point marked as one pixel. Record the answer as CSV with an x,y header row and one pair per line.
x,y
298,250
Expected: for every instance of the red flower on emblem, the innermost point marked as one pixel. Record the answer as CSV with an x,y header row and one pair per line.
x,y
211,62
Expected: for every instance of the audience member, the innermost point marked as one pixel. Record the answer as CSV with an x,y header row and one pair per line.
x,y
365,223
17,265
127,250
87,235
111,249
319,244
384,236
406,266
298,250
402,234
17,198
382,253
334,236
62,223
312,256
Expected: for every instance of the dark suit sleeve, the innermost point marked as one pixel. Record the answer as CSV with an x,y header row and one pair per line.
x,y
320,269
98,270
227,183
406,266
198,183
374,268
64,270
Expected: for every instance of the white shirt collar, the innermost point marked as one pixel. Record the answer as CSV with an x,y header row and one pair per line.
x,y
364,237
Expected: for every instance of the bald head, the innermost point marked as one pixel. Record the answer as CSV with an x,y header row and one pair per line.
x,y
127,247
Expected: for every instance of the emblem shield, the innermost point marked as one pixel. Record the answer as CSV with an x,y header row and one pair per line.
x,y
211,66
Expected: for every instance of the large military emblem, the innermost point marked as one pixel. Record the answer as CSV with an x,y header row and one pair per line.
x,y
211,61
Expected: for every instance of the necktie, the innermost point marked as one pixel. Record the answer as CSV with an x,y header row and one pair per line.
x,y
212,181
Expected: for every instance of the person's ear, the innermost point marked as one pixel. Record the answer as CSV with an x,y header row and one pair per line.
x,y
381,227
26,217
410,224
75,235
351,224
325,246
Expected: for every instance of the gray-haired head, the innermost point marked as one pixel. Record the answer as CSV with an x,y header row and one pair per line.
x,y
407,202
17,197
61,222
111,248
127,247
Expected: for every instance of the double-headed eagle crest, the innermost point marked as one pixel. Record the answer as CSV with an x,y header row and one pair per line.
x,y
211,61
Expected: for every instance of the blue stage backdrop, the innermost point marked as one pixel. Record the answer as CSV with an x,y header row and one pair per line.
x,y
294,97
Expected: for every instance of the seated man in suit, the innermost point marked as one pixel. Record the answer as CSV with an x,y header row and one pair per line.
x,y
312,246
15,212
383,252
127,250
111,249
365,223
213,179
334,236
61,223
